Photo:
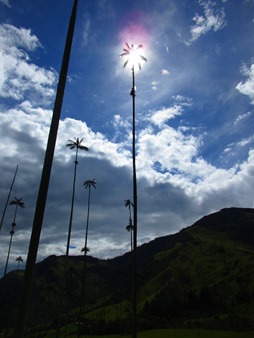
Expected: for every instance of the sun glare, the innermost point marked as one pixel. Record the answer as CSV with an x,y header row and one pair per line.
x,y
132,55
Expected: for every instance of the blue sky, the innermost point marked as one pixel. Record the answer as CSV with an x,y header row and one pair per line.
x,y
194,105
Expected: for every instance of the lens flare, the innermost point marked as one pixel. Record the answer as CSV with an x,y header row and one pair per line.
x,y
135,29
135,37
135,33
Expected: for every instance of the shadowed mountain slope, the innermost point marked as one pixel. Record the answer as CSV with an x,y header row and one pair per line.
x,y
202,276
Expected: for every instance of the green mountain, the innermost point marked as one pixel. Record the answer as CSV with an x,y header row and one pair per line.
x,y
202,276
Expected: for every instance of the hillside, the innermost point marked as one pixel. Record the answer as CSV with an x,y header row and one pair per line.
x,y
202,276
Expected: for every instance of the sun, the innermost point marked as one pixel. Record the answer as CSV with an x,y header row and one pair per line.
x,y
132,55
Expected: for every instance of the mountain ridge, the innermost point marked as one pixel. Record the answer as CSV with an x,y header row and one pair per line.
x,y
202,276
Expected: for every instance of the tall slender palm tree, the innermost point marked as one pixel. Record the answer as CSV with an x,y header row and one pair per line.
x,y
45,178
8,197
77,145
129,227
19,260
134,59
87,184
18,203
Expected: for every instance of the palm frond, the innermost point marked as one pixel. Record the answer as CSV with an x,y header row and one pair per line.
x,y
70,142
128,45
127,203
83,148
124,54
71,145
125,63
143,58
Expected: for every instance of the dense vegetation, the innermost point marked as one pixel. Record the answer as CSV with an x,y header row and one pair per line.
x,y
201,277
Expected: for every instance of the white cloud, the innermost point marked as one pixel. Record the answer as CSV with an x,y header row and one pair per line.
x,y
213,18
155,85
242,117
184,178
86,32
18,75
160,117
165,72
233,147
247,87
6,2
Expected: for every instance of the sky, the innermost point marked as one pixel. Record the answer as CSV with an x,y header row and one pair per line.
x,y
194,118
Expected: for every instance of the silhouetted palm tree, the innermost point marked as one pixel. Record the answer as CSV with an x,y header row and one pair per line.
x,y
130,226
87,184
19,260
73,144
44,183
18,203
8,197
133,57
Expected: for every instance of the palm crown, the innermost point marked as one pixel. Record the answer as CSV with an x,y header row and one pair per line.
x,y
18,202
133,55
76,143
90,183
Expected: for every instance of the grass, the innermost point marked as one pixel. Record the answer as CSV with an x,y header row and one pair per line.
x,y
192,334
183,334
168,333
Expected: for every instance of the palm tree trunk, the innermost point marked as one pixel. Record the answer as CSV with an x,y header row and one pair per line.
x,y
7,201
15,214
44,184
88,215
134,253
7,260
72,203
83,299
131,240
83,291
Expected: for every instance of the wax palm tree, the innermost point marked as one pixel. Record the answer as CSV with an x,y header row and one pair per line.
x,y
18,203
77,145
129,227
8,197
134,58
19,260
45,178
87,184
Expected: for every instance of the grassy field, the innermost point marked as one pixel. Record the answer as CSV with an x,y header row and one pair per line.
x,y
192,334
184,334
167,334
